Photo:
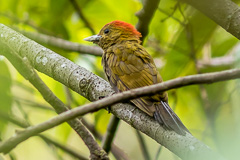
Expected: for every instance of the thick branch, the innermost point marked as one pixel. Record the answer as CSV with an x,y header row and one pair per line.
x,y
155,133
93,87
25,69
224,12
145,16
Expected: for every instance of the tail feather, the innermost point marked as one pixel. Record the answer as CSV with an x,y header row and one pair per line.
x,y
165,115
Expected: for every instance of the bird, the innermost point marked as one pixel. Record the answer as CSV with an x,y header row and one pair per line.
x,y
128,65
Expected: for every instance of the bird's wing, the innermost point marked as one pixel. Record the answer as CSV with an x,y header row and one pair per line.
x,y
129,67
132,67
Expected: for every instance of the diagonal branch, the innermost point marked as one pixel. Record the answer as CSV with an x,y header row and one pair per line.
x,y
224,12
145,16
116,151
27,22
131,94
93,87
143,145
61,43
63,147
110,133
96,152
81,15
23,124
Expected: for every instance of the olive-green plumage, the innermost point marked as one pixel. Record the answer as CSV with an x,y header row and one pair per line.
x,y
128,65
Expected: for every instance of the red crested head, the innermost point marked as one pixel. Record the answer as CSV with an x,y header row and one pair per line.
x,y
115,32
125,27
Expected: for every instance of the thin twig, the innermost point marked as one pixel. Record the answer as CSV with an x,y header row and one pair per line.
x,y
46,139
109,135
46,37
66,149
149,90
203,92
24,124
61,43
15,120
224,61
145,16
171,15
27,22
82,16
23,86
69,97
117,152
32,103
25,69
158,153
143,146
76,77
92,129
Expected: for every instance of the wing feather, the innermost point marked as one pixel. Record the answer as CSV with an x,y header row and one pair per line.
x,y
128,68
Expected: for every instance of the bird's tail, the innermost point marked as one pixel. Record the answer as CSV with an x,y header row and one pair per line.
x,y
165,116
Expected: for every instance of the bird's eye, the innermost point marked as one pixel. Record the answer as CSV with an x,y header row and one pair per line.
x,y
106,31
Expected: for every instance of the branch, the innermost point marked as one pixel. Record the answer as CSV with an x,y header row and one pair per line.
x,y
82,16
63,147
228,60
224,61
32,103
143,145
139,120
24,68
158,153
224,12
171,15
110,133
116,151
26,21
133,117
23,124
62,44
145,15
93,87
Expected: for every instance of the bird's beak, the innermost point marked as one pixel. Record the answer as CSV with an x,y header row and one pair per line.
x,y
94,38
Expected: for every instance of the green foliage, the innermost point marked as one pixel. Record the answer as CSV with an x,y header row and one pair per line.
x,y
5,91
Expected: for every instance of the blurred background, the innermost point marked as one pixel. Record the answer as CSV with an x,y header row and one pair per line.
x,y
182,42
